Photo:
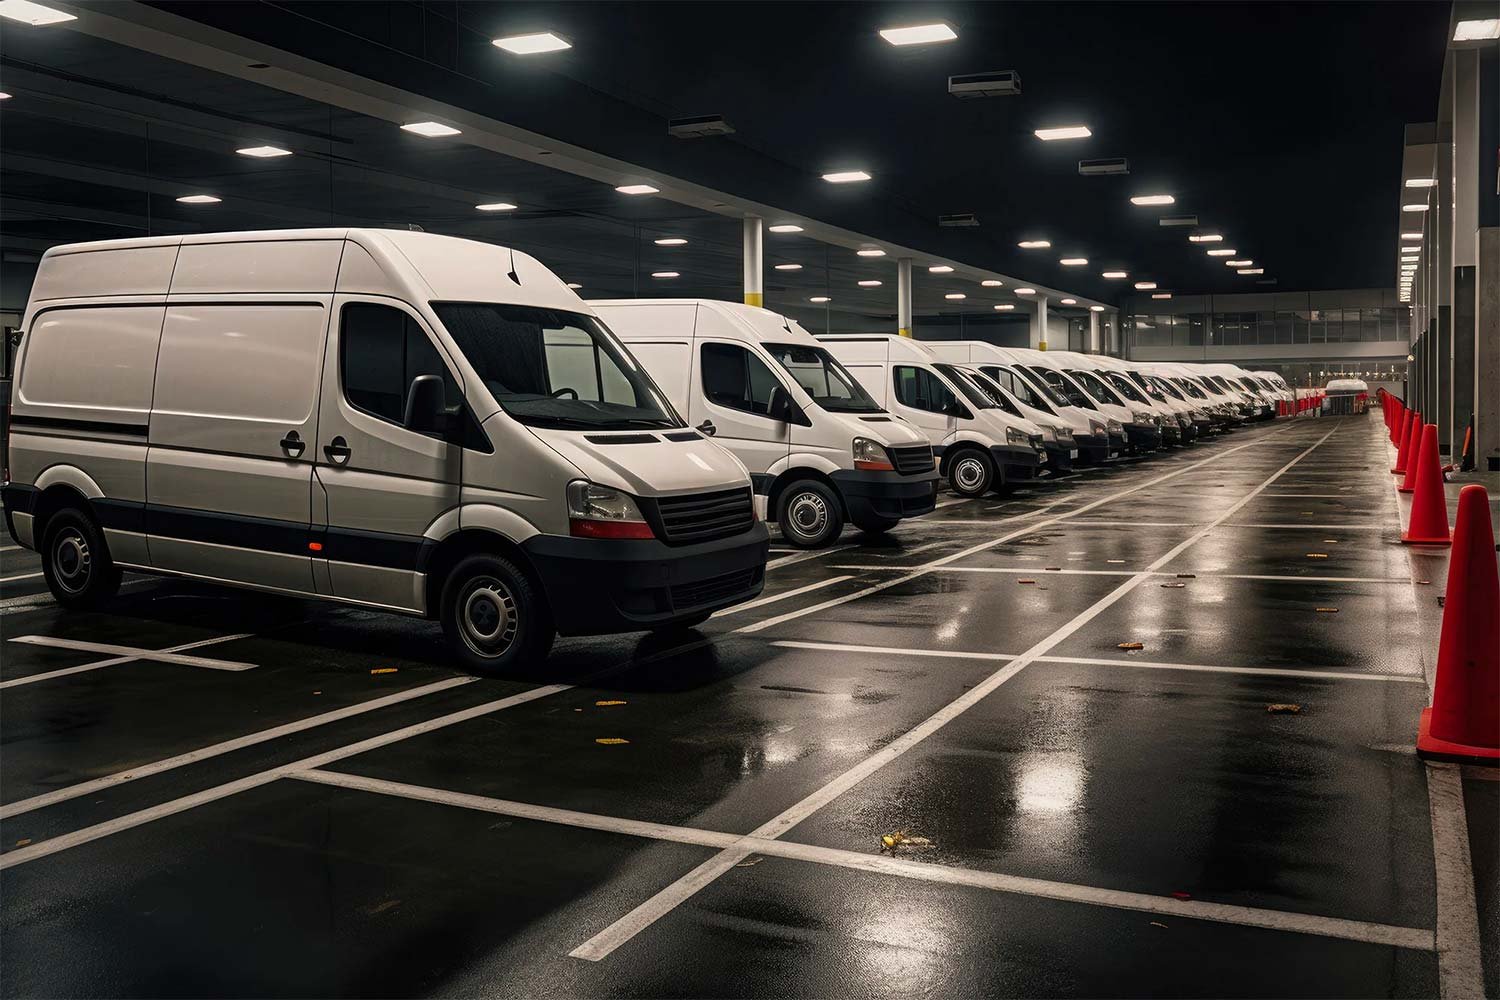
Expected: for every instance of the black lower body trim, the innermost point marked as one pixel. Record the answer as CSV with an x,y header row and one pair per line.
x,y
879,496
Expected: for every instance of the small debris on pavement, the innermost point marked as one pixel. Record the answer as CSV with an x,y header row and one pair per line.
x,y
1284,709
613,701
1327,611
1179,894
1317,555
383,670
1173,586
1026,581
751,861
610,741
1187,576
1158,923
1131,645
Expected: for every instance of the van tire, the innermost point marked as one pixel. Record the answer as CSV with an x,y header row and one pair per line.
x,y
873,525
809,514
971,473
494,617
76,562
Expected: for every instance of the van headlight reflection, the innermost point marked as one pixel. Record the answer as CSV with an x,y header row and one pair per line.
x,y
1050,783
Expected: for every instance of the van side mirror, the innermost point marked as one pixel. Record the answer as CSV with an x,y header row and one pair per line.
x,y
781,407
956,409
426,406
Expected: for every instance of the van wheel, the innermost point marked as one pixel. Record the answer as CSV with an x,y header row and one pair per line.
x,y
76,562
809,514
971,473
493,617
872,525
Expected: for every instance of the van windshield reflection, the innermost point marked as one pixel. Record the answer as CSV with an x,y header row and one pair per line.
x,y
825,380
553,368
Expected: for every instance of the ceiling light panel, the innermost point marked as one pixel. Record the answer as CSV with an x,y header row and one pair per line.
x,y
919,34
533,44
430,130
846,177
264,152
32,13
1034,244
1063,132
785,227
638,189
496,206
1153,199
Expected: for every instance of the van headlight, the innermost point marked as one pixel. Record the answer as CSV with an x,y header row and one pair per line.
x,y
1139,417
596,511
1096,428
1115,427
1014,435
1063,435
871,456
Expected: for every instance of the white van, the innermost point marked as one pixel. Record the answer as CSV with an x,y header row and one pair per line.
x,y
820,451
979,446
1173,416
1076,438
391,419
1136,430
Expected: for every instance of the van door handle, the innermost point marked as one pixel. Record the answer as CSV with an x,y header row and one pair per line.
x,y
708,427
337,451
293,444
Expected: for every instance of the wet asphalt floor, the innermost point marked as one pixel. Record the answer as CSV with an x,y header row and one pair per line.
x,y
306,800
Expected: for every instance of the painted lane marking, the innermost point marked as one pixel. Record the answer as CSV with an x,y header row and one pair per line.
x,y
1414,938
88,834
602,944
22,603
117,660
1319,527
137,653
19,576
228,746
1032,570
953,654
926,568
1309,496
1460,969
783,595
804,556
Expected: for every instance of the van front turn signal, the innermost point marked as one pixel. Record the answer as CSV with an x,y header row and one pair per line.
x,y
870,456
596,511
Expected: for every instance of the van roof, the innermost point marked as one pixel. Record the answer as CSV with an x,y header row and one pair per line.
x,y
897,347
760,324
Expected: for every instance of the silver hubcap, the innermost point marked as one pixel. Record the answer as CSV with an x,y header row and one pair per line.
x,y
806,515
487,617
71,560
968,474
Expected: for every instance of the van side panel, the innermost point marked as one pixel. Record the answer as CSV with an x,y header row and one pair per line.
x,y
262,266
138,271
670,367
225,498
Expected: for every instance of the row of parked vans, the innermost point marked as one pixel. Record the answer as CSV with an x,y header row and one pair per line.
x,y
441,427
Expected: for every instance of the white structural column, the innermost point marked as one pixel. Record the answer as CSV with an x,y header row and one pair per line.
x,y
1093,332
755,262
903,296
1039,322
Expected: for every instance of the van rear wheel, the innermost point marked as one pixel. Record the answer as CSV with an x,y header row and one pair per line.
x,y
809,514
76,562
493,617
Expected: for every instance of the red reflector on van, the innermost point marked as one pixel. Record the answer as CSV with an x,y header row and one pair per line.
x,y
315,546
581,528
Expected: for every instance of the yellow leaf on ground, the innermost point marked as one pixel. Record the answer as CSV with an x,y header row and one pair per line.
x,y
603,704
1131,645
610,741
383,670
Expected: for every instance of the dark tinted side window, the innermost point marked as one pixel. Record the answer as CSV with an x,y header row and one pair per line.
x,y
735,378
381,350
921,390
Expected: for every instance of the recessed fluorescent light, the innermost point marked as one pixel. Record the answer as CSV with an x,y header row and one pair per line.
x,y
264,152
1162,295
1096,309
1153,199
637,189
1206,238
940,269
1415,207
1239,263
529,45
1475,31
992,283
4,96
574,285
820,299
1025,291
671,241
788,267
1063,132
1411,236
1252,270
1034,244
496,206
430,130
1225,252
1068,302
1004,306
1115,274
1144,286
869,283
955,296
846,177
32,13
199,199
785,227
665,274
1073,261
919,34
870,252
1421,182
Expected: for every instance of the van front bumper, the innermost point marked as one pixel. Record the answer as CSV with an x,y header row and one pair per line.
x,y
1093,448
1060,457
596,586
1018,464
881,495
1143,437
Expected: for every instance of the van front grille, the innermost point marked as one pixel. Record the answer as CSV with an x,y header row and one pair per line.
x,y
703,517
714,589
912,459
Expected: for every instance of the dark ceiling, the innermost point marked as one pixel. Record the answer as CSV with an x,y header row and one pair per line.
x,y
1277,124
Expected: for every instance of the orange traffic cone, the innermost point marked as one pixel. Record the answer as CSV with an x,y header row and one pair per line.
x,y
1413,455
1463,721
1404,443
1428,524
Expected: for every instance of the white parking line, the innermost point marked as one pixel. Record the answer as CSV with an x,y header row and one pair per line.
x,y
606,941
19,576
1460,969
137,653
804,556
129,821
1033,571
115,661
1309,496
783,595
10,548
1415,938
1317,527
228,746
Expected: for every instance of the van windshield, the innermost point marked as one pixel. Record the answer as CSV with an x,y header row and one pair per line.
x,y
1095,386
553,368
978,391
825,380
1125,387
1064,386
1016,386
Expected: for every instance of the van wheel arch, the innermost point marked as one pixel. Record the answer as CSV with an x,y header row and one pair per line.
x,y
53,499
456,547
790,476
